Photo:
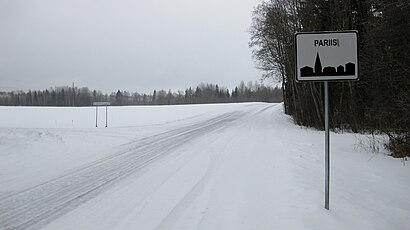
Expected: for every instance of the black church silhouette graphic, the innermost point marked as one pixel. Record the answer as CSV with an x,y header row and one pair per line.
x,y
348,70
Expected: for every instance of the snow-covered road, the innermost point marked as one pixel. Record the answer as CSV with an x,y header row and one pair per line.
x,y
47,201
243,166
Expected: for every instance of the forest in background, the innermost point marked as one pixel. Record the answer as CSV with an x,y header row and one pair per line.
x,y
380,101
203,93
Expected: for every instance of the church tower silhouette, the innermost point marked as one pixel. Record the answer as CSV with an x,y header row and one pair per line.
x,y
318,65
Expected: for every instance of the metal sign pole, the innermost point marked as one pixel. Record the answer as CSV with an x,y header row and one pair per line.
x,y
327,150
106,116
96,116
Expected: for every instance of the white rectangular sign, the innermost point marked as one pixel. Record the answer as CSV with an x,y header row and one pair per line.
x,y
101,103
326,56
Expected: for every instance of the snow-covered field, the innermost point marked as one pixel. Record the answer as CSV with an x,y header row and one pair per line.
x,y
235,166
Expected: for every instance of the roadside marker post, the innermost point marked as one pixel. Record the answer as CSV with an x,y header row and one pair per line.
x,y
340,62
97,104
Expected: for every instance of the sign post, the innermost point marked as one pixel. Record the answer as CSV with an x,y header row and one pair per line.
x,y
323,57
96,116
97,104
327,146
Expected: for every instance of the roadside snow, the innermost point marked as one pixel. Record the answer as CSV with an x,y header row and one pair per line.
x,y
236,166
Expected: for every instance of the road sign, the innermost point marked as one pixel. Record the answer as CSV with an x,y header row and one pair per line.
x,y
101,103
326,56
106,104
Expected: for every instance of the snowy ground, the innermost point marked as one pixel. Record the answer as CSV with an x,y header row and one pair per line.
x,y
236,166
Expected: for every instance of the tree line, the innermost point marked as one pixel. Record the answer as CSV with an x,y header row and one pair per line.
x,y
203,93
380,101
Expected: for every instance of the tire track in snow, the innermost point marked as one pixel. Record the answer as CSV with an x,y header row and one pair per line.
x,y
35,207
169,221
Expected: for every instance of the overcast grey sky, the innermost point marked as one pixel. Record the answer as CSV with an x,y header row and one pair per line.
x,y
131,45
